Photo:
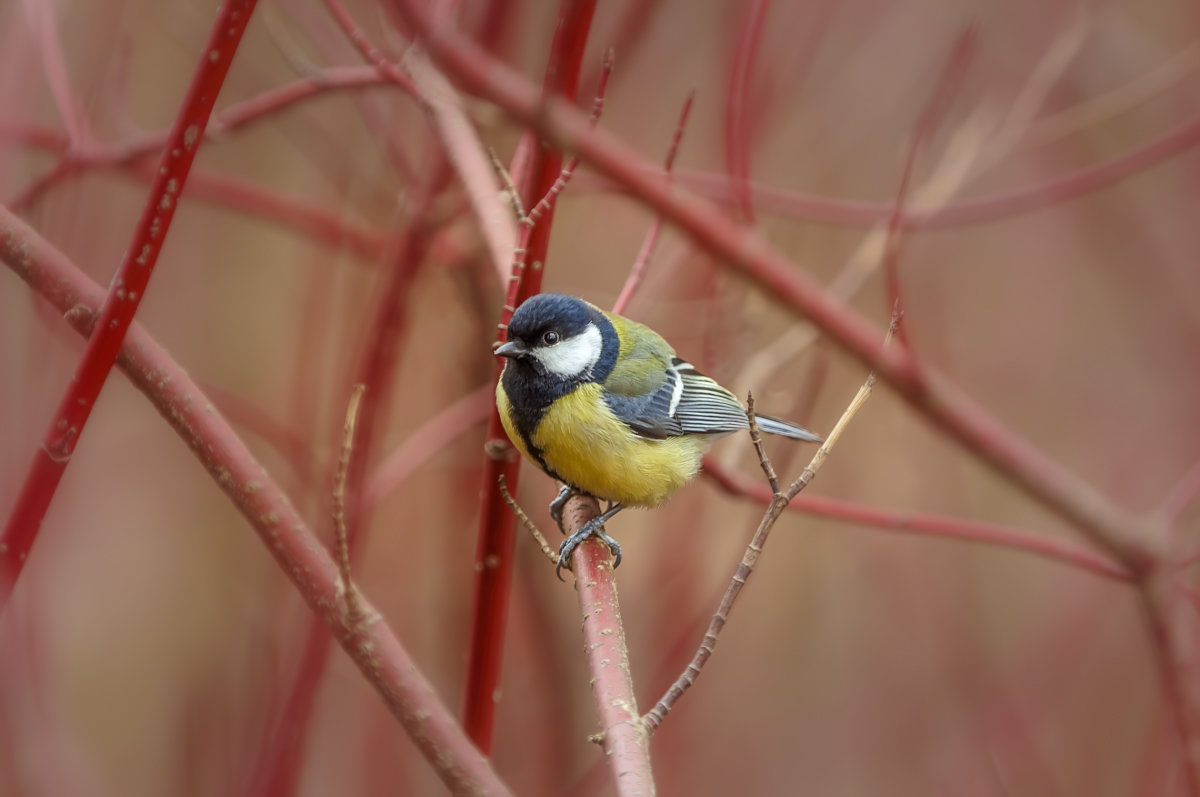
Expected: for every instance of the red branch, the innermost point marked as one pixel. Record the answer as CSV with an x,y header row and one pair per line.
x,y
375,650
426,441
304,218
281,763
739,115
991,207
925,524
641,263
125,294
497,526
626,743
927,124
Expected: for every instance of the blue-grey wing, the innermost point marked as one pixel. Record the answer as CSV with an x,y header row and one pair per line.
x,y
687,402
703,406
649,415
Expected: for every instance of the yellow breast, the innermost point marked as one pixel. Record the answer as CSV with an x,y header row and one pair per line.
x,y
585,444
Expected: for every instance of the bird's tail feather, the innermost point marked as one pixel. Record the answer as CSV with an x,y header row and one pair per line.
x,y
785,429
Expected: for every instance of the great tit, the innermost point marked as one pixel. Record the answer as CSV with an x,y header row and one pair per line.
x,y
603,405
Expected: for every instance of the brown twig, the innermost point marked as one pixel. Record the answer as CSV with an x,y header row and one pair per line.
x,y
779,501
756,439
529,525
354,611
510,188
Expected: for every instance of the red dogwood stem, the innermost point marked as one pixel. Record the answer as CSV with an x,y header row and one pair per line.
x,y
497,526
124,295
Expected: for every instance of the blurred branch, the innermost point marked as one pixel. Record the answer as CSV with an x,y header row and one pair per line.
x,y
1120,100
550,198
54,66
1181,496
76,158
931,117
370,53
741,113
976,210
925,524
373,647
317,222
125,294
641,263
426,441
467,155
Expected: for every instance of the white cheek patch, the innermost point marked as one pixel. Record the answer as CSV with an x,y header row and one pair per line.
x,y
574,356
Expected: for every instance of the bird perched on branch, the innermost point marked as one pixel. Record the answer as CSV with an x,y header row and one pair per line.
x,y
602,404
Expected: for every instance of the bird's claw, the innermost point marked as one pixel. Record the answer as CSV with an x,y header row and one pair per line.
x,y
565,494
589,529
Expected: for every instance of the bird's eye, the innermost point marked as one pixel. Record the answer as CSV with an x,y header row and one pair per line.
x,y
550,338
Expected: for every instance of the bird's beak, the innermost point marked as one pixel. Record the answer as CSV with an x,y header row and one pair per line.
x,y
513,348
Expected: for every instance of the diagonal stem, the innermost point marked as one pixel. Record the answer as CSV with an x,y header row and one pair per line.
x,y
375,650
124,295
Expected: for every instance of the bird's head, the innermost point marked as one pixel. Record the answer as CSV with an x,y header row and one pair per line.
x,y
561,337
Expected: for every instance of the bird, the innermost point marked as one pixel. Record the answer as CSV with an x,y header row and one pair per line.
x,y
603,404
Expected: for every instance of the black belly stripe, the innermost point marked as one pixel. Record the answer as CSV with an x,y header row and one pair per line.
x,y
526,420
529,398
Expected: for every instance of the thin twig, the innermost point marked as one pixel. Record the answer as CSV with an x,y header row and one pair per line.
x,y
529,525
514,196
756,439
931,117
564,176
779,501
341,538
641,263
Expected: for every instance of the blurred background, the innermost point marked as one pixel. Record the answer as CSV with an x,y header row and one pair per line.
x,y
1051,273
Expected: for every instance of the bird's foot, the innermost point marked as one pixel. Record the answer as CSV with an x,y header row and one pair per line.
x,y
593,528
565,493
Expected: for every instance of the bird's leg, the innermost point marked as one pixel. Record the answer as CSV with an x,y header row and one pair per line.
x,y
590,529
565,493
